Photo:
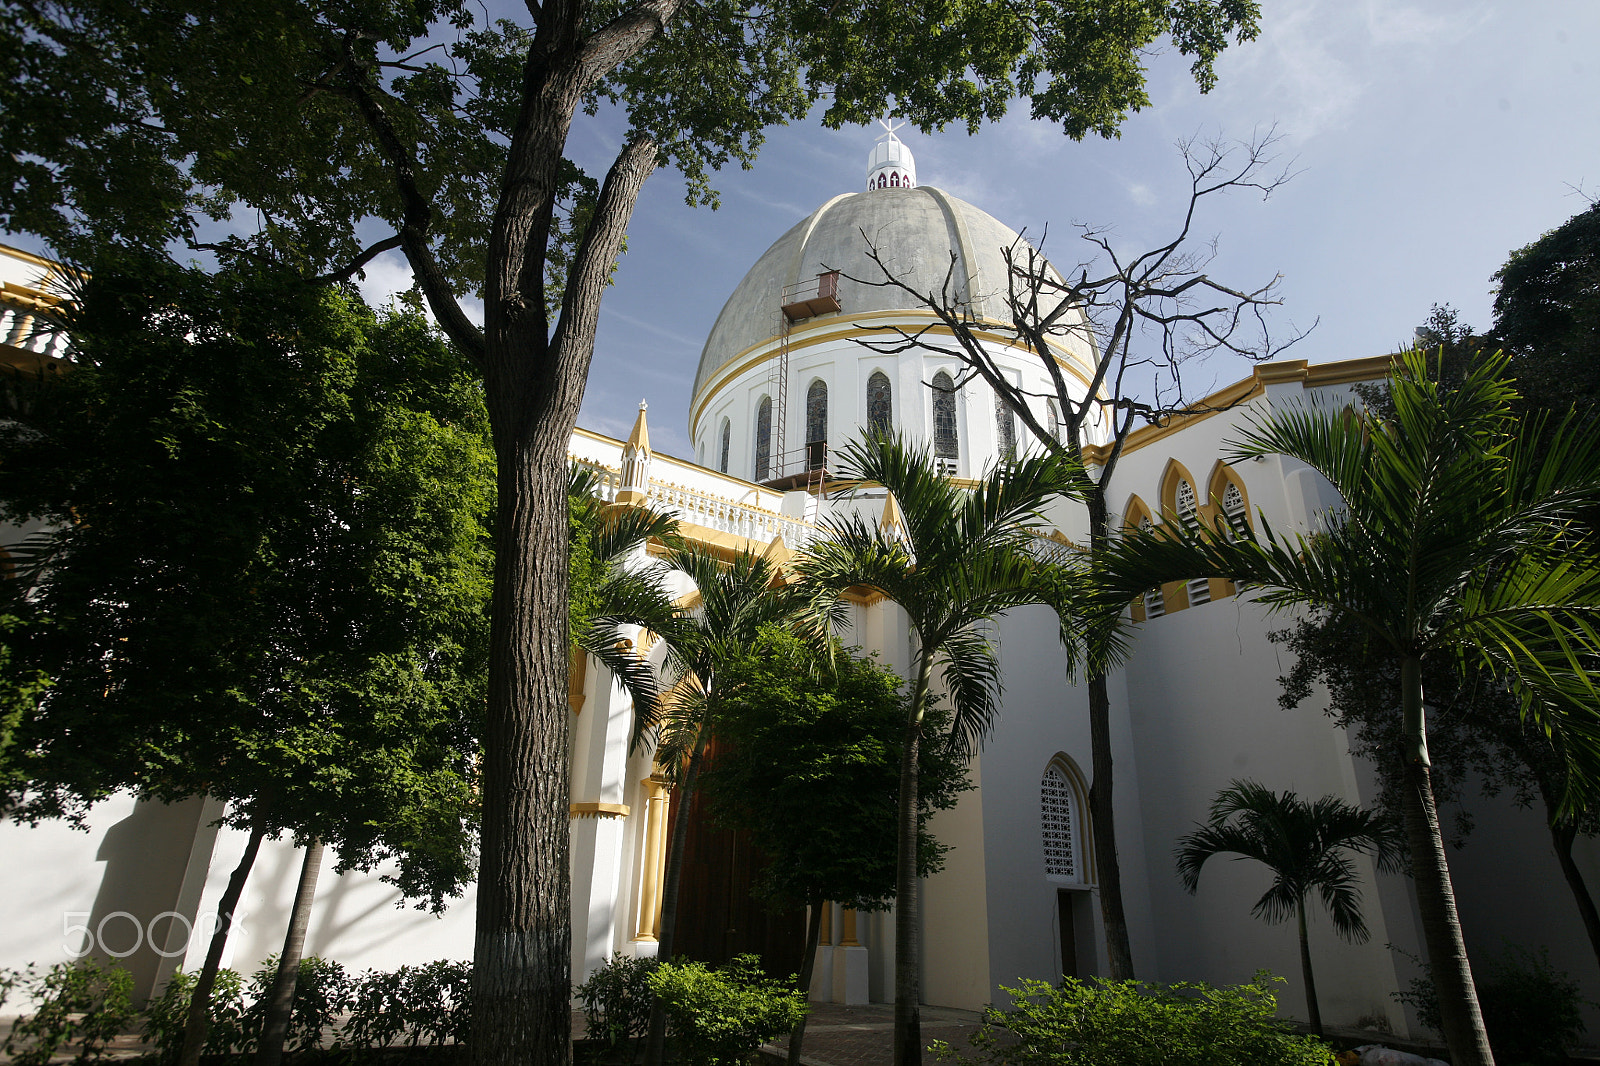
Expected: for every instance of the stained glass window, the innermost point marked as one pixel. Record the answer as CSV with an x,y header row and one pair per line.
x,y
1055,419
1057,823
880,405
1005,429
945,445
816,425
764,438
727,434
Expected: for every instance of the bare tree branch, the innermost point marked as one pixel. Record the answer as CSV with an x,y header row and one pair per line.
x,y
388,244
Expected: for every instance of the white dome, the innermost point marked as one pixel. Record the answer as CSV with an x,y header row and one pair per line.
x,y
916,230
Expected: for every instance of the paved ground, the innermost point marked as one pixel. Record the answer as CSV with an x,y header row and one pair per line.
x,y
837,1035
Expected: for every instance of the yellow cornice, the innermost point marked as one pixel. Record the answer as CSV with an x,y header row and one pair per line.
x,y
820,333
1288,371
598,810
29,257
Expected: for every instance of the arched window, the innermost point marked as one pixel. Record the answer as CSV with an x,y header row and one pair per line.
x,y
764,438
722,450
817,425
946,448
1058,823
880,405
1055,419
1188,510
1234,510
1005,429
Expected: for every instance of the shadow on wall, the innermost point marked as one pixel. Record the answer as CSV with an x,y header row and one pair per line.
x,y
144,912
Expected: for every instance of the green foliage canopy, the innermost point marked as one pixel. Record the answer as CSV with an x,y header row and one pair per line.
x,y
265,571
148,123
809,764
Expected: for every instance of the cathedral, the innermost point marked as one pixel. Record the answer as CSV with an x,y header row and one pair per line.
x,y
783,378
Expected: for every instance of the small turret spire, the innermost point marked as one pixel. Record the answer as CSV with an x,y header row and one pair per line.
x,y
891,166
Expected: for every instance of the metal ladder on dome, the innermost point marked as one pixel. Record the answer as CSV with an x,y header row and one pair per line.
x,y
778,386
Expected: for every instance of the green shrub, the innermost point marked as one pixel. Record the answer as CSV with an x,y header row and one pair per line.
x,y
1129,1023
1532,1010
413,1005
322,992
231,1028
78,1003
720,1017
616,1002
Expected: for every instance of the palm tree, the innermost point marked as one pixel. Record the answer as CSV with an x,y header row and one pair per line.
x,y
952,560
1305,844
609,592
1459,539
736,597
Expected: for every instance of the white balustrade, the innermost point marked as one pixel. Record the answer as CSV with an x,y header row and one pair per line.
x,y
26,329
703,509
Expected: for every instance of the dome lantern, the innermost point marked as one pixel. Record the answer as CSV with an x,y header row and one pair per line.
x,y
891,165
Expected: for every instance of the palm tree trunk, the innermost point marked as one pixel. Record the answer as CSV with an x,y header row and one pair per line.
x,y
808,966
656,1041
1313,1011
275,1027
907,889
1464,1032
1102,810
199,1019
1563,832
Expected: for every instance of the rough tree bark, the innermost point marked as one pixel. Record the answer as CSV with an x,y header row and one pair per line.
x,y
275,1026
199,1019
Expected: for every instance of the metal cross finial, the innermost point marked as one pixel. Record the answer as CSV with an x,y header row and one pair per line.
x,y
889,127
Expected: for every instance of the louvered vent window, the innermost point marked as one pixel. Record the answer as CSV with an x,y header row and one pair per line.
x,y
1184,504
1057,823
1155,605
727,435
1233,510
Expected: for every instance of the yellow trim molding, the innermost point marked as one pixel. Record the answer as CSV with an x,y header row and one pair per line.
x,y
598,810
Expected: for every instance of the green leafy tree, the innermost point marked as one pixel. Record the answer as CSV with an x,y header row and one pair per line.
x,y
346,131
826,824
736,599
1475,736
1547,314
267,572
954,561
1456,543
1305,844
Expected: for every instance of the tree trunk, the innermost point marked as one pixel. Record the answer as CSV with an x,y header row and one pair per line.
x,y
1562,836
808,966
534,378
1102,809
1313,1011
199,1020
522,955
907,887
275,1027
656,1042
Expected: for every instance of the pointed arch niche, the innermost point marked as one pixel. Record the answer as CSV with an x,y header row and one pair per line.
x,y
1181,503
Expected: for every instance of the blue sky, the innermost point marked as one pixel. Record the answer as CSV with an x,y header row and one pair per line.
x,y
1429,138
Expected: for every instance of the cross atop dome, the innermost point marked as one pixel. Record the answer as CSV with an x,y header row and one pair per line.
x,y
890,165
